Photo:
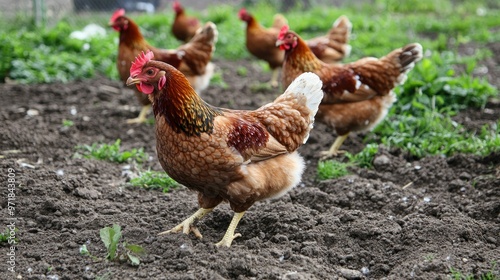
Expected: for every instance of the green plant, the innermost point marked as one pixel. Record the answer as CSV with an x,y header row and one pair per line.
x,y
111,236
242,71
5,237
67,123
490,275
218,80
331,169
111,152
365,157
154,180
105,276
437,134
434,85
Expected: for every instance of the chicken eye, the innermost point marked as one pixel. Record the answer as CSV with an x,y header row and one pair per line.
x,y
150,72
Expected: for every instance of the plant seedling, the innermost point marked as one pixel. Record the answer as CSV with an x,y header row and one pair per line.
x,y
110,236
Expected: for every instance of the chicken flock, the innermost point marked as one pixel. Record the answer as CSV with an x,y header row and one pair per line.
x,y
245,156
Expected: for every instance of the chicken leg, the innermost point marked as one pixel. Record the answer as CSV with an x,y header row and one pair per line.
x,y
274,77
230,236
334,149
187,225
142,115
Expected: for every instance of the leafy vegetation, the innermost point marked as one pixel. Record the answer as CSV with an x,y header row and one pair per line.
x,y
4,236
154,180
365,157
490,275
111,152
111,236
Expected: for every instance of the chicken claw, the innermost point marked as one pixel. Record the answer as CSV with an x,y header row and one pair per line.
x,y
230,236
187,225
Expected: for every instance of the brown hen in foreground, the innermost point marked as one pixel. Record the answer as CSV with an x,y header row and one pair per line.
x,y
184,27
227,155
192,58
261,41
358,95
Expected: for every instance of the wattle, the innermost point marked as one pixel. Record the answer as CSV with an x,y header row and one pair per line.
x,y
145,88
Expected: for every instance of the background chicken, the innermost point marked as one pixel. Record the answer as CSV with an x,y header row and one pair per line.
x,y
184,27
227,155
261,41
334,46
358,95
192,58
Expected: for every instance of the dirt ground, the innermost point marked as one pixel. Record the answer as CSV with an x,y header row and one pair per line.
x,y
403,219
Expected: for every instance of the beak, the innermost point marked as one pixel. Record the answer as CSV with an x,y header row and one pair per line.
x,y
279,43
131,81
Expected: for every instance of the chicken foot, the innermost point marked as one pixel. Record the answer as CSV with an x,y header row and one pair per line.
x,y
187,225
334,149
230,236
142,115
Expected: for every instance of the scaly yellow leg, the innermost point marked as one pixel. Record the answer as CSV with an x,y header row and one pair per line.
x,y
187,225
230,236
334,149
274,78
142,115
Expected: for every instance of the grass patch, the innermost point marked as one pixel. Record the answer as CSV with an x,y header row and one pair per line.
x,y
331,169
437,134
110,152
154,180
490,275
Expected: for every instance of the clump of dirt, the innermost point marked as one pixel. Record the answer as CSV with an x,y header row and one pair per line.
x,y
402,219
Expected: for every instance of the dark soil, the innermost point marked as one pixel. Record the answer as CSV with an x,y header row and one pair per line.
x,y
402,219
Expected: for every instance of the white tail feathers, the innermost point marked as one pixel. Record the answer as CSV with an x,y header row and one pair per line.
x,y
309,85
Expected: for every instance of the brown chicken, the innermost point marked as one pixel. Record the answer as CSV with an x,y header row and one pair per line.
x,y
192,58
227,155
358,95
184,27
261,41
334,46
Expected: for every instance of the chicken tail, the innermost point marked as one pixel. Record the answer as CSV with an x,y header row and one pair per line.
x,y
406,58
309,85
340,33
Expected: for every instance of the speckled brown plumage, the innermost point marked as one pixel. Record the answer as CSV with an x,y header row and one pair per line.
x,y
228,155
204,147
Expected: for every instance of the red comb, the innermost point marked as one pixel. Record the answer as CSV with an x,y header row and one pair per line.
x,y
176,6
283,32
139,62
118,13
242,12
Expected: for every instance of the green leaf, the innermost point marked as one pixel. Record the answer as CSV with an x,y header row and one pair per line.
x,y
137,249
133,259
110,237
